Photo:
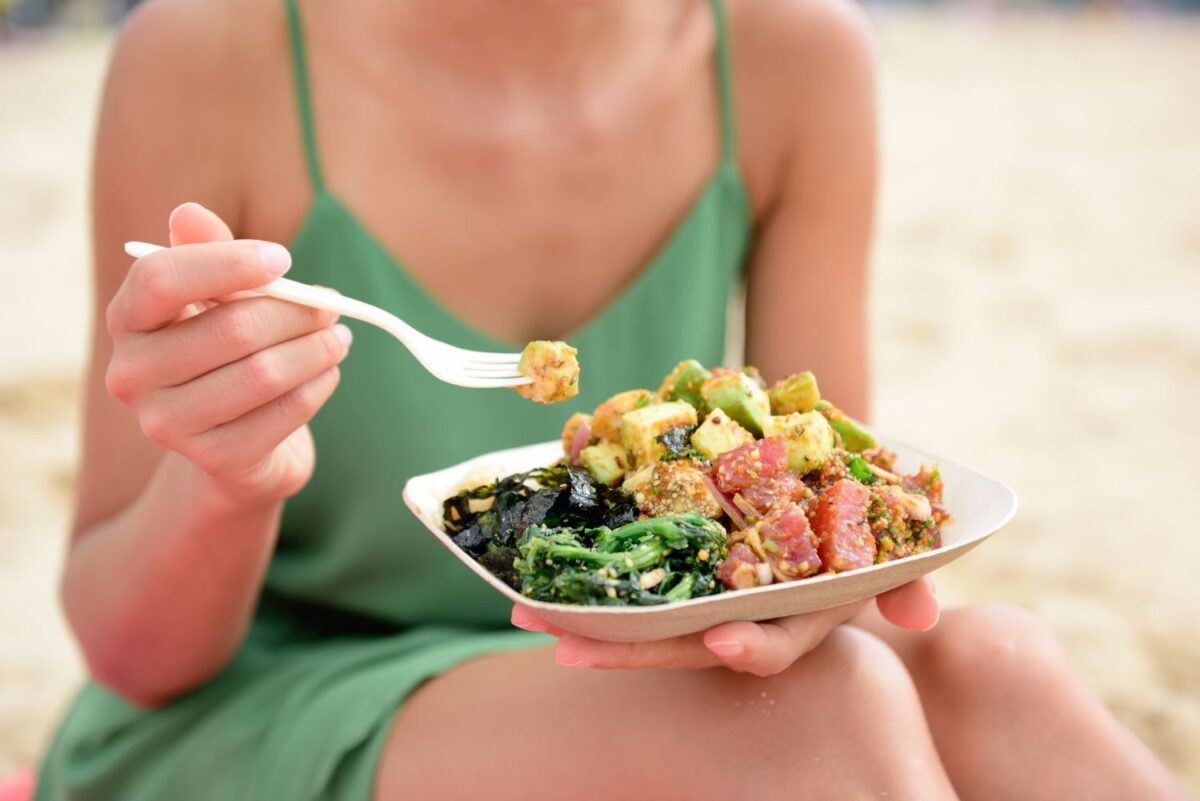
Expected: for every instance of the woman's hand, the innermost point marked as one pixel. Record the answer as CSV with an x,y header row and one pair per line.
x,y
762,649
228,381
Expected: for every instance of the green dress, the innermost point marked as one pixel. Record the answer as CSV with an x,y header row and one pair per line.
x,y
360,603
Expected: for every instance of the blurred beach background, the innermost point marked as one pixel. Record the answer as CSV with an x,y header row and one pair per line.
x,y
1035,295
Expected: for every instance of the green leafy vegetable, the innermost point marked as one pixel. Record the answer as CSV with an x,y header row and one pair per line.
x,y
652,561
860,470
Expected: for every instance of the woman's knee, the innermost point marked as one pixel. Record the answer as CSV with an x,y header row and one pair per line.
x,y
989,648
871,688
863,708
857,665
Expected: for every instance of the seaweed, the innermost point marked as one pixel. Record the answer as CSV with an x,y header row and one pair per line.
x,y
487,521
499,560
678,442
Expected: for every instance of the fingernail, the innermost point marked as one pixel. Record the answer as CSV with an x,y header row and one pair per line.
x,y
275,257
176,210
932,585
531,625
571,663
344,335
727,649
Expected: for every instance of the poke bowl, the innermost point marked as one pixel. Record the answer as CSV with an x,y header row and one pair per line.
x,y
711,500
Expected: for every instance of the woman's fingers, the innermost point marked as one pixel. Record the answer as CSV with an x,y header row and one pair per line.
x,y
238,447
236,389
524,618
911,606
765,649
576,651
221,335
213,371
159,286
191,223
687,652
762,649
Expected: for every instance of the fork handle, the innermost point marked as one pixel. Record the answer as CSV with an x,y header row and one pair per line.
x,y
329,300
315,297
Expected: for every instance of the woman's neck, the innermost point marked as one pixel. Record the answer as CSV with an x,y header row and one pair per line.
x,y
528,45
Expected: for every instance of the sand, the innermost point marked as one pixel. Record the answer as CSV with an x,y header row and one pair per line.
x,y
1036,272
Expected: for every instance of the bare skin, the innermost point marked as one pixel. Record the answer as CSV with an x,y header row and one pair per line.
x,y
533,126
999,696
811,732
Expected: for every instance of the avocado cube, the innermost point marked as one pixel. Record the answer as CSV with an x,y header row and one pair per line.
x,y
796,393
755,376
641,428
606,420
808,435
740,397
554,371
854,438
719,433
607,462
683,383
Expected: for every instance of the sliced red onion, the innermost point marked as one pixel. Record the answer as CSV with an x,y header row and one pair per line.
x,y
582,435
735,515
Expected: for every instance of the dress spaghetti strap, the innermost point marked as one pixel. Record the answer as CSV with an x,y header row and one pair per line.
x,y
725,81
304,96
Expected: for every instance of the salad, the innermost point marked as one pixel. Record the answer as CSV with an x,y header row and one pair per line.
x,y
712,483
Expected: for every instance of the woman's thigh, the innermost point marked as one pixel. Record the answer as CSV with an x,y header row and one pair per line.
x,y
842,723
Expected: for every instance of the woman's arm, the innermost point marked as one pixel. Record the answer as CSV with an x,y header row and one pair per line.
x,y
171,540
806,287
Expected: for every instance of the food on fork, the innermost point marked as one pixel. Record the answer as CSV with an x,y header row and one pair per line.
x,y
553,368
713,483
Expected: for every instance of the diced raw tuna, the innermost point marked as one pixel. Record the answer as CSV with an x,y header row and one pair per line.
x,y
739,570
739,468
775,492
790,543
839,520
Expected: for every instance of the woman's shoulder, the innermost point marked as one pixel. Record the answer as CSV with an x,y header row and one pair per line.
x,y
186,77
791,59
788,23
212,38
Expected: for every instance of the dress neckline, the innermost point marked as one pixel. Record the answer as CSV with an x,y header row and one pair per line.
x,y
725,174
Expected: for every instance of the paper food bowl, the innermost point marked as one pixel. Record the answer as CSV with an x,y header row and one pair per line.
x,y
980,506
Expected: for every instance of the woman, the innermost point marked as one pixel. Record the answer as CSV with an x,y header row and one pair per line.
x,y
492,172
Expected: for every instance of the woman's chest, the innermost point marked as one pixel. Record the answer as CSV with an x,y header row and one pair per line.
x,y
525,221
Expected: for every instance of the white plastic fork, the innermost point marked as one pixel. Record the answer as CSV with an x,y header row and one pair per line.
x,y
465,368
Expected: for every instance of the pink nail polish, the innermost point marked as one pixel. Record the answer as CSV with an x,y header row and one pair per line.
x,y
727,649
531,625
571,663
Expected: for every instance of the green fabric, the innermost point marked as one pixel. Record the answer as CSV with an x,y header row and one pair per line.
x,y
361,604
